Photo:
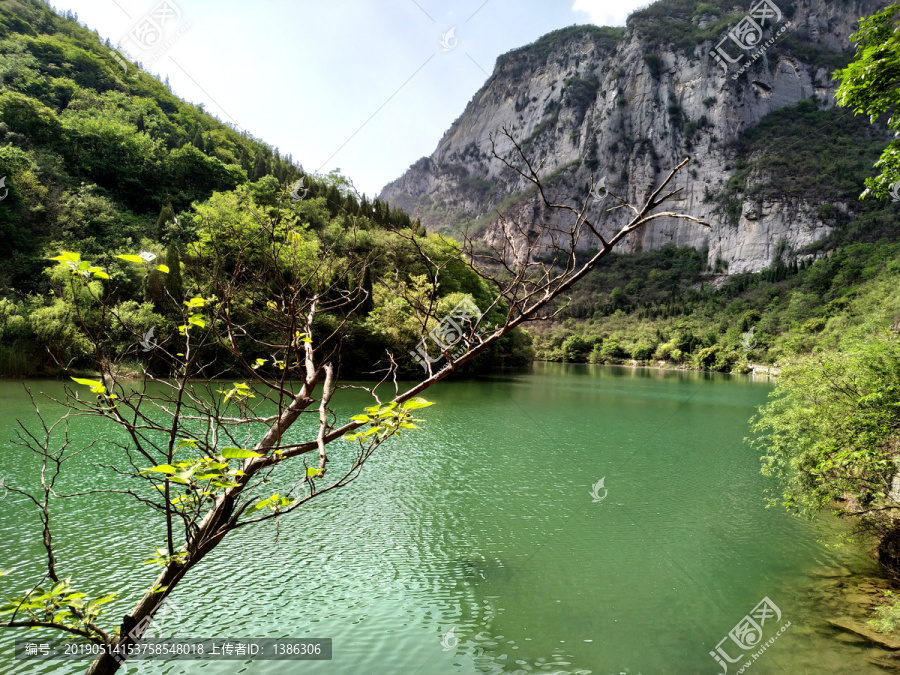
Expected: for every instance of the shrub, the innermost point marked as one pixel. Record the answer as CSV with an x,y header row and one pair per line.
x,y
576,349
887,617
611,351
642,351
655,64
664,351
815,325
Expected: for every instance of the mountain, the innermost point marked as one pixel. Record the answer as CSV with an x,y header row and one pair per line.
x,y
775,168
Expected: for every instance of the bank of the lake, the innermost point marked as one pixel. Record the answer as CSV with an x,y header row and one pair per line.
x,y
489,521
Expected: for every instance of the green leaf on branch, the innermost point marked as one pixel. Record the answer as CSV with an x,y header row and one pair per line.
x,y
96,387
416,403
162,468
276,502
241,391
239,453
163,559
131,258
67,257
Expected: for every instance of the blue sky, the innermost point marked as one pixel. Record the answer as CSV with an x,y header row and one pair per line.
x,y
364,85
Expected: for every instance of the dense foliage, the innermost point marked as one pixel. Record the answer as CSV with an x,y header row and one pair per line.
x,y
778,158
869,86
831,432
844,451
99,164
659,306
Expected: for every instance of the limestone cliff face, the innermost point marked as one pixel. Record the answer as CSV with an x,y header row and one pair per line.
x,y
630,104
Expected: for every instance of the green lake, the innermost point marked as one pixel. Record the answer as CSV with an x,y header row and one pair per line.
x,y
486,521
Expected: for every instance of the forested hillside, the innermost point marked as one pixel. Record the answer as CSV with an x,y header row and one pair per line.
x,y
100,164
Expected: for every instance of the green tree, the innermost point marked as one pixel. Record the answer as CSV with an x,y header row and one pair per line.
x,y
29,117
166,216
575,349
870,85
831,430
642,351
173,283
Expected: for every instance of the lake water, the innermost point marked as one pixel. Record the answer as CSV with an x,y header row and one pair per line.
x,y
485,522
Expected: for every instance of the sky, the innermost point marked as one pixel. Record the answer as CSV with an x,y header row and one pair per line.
x,y
367,86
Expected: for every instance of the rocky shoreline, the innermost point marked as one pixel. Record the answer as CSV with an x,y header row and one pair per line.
x,y
846,601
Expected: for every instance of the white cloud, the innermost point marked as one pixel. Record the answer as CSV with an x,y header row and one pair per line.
x,y
607,12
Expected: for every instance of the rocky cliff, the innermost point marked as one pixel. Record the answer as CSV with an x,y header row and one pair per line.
x,y
629,104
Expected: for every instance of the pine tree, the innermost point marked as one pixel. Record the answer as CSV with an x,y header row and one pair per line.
x,y
173,283
154,289
259,168
166,215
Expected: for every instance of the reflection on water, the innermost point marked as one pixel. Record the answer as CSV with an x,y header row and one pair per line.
x,y
483,523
